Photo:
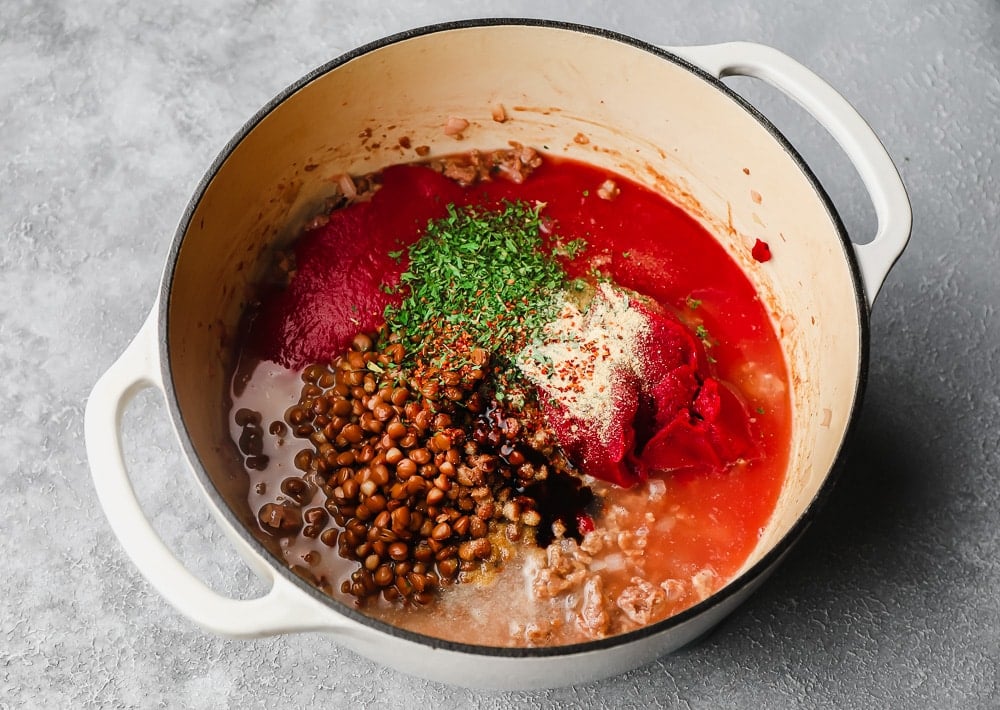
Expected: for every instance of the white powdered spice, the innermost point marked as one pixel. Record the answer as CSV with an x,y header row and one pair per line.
x,y
579,355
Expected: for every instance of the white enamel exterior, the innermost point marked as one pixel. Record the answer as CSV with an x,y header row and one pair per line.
x,y
642,114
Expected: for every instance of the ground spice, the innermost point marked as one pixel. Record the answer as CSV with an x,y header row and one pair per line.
x,y
577,356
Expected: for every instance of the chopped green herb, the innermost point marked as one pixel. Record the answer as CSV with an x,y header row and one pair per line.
x,y
760,410
396,255
693,303
702,332
586,193
571,249
626,255
480,277
598,275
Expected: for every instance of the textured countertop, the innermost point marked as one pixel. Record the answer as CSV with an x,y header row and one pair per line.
x,y
110,112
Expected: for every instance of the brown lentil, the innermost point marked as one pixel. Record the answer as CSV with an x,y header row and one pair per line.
x,y
257,463
398,455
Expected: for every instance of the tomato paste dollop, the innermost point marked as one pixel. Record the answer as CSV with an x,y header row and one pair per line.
x,y
346,269
641,402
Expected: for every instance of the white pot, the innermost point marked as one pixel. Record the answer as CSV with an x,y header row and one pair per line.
x,y
659,116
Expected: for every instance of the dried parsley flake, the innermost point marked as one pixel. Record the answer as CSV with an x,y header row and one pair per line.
x,y
478,276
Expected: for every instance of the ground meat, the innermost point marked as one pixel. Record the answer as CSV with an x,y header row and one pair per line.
x,y
705,582
593,617
608,190
515,164
346,190
639,600
675,589
462,173
320,220
593,542
633,544
518,163
454,127
537,633
563,570
347,186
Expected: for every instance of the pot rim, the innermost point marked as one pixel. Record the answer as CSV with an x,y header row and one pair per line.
x,y
737,584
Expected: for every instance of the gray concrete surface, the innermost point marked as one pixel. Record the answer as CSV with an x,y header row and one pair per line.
x,y
111,111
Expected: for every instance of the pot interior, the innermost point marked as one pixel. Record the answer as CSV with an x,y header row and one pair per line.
x,y
601,99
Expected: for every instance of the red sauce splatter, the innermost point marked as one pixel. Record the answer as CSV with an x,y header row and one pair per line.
x,y
761,251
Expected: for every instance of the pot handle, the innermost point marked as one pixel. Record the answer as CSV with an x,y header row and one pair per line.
x,y
284,608
848,128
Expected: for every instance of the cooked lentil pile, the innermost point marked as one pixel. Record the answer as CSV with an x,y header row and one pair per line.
x,y
420,472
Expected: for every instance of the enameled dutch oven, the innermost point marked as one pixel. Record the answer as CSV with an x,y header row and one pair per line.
x,y
661,116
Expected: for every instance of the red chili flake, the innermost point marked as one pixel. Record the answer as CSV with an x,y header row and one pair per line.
x,y
761,251
584,523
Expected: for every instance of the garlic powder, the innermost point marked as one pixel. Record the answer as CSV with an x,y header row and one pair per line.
x,y
578,355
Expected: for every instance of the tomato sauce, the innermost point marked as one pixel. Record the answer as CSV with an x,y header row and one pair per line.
x,y
699,527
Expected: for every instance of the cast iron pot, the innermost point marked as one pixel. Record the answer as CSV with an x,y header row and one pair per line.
x,y
660,116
